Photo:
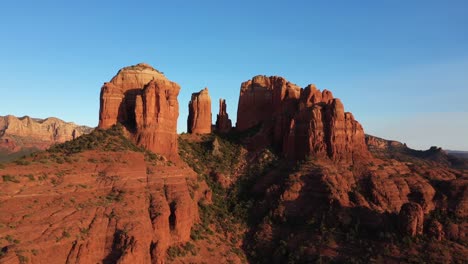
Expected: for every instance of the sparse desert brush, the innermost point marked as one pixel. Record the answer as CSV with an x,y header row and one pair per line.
x,y
111,139
10,178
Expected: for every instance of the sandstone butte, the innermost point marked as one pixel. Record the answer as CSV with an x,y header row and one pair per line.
x,y
145,102
17,134
300,122
223,123
126,206
199,117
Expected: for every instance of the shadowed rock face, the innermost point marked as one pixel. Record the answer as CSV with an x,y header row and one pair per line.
x,y
199,118
300,122
145,102
322,128
411,219
223,123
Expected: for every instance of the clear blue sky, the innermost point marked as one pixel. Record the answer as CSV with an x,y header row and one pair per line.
x,y
401,67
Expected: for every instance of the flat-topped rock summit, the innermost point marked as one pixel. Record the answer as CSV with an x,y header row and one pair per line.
x,y
145,102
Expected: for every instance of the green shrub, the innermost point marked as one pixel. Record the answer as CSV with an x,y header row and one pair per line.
x,y
22,162
182,250
30,177
22,259
10,178
111,139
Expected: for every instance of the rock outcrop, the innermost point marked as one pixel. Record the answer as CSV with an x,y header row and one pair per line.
x,y
100,207
199,118
21,134
321,127
145,102
436,230
264,98
411,219
223,123
300,122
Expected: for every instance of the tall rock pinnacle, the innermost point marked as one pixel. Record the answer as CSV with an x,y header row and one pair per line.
x,y
223,123
199,119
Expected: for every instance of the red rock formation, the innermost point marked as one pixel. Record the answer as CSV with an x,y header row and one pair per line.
x,y
123,210
302,122
223,123
411,219
436,230
145,102
263,98
199,119
27,134
156,112
322,128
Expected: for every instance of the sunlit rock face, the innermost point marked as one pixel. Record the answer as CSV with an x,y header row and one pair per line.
x,y
144,101
199,118
300,122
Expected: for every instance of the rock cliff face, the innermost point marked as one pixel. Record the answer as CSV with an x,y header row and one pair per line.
x,y
98,207
322,128
199,118
145,102
17,134
223,123
263,98
300,122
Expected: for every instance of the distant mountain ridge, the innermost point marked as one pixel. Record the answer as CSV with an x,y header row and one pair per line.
x,y
22,135
458,153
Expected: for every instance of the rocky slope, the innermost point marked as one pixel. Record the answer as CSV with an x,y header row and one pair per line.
x,y
98,199
199,118
25,134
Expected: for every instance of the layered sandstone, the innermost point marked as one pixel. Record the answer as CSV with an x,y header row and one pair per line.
x,y
223,123
199,118
101,207
263,98
321,127
145,102
17,134
300,122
